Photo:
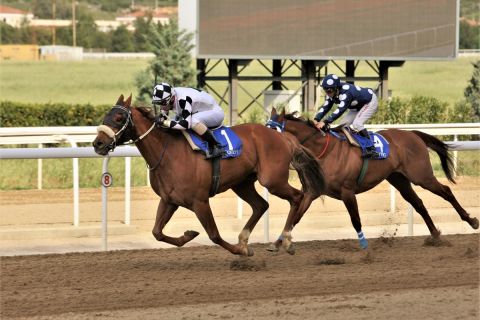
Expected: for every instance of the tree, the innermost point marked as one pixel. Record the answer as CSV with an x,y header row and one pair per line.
x,y
472,91
172,62
140,41
86,30
121,40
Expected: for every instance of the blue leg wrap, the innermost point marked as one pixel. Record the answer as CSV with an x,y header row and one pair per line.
x,y
363,241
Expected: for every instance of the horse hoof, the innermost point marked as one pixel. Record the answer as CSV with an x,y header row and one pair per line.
x,y
364,244
190,234
474,223
291,249
272,248
249,251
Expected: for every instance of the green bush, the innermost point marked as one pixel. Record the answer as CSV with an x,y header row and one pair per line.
x,y
16,114
418,109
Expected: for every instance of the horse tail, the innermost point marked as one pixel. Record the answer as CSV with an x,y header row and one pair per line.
x,y
309,171
441,148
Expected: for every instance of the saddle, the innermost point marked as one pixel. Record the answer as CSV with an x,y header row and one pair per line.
x,y
378,141
230,142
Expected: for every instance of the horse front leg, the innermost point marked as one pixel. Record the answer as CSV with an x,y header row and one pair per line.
x,y
246,191
164,212
204,214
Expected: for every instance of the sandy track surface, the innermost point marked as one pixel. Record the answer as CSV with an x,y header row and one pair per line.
x,y
398,278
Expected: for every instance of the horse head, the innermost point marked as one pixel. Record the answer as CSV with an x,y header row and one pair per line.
x,y
116,128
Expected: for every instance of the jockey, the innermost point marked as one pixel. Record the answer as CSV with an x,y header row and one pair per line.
x,y
362,104
195,109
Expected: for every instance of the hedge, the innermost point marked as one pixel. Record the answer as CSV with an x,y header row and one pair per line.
x,y
16,114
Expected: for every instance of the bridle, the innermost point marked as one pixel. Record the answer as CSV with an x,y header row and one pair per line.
x,y
127,126
280,127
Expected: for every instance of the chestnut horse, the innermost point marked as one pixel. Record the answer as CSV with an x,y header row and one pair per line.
x,y
408,162
182,177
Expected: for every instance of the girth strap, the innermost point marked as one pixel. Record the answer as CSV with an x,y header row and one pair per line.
x,y
363,171
215,176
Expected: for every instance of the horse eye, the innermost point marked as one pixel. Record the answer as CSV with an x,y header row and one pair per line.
x,y
118,118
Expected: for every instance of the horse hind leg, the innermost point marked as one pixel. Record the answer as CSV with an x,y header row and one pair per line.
x,y
246,191
446,193
350,201
204,214
164,212
403,185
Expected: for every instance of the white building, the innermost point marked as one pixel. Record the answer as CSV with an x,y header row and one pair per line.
x,y
14,17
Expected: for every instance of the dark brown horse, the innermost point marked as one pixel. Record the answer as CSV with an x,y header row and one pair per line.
x,y
182,177
409,162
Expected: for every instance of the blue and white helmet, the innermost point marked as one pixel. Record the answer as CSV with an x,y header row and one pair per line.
x,y
331,81
162,94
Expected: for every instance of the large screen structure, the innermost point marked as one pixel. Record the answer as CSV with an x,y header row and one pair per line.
x,y
327,29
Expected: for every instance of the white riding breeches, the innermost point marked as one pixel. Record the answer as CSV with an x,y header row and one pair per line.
x,y
211,118
356,119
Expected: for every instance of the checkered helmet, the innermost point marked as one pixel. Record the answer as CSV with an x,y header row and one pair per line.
x,y
331,81
162,94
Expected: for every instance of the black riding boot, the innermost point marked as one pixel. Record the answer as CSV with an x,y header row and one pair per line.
x,y
370,152
214,148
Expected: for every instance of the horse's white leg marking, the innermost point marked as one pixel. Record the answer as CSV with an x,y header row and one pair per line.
x,y
243,238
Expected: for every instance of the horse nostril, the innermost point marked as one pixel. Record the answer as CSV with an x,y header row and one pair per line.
x,y
97,144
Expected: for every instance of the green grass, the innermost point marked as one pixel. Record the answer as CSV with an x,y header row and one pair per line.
x,y
95,82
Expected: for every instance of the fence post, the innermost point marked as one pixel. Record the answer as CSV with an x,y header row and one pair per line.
x,y
40,170
266,220
104,205
239,208
455,155
410,220
128,162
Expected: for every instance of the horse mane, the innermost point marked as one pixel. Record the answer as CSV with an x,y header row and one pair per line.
x,y
147,112
293,117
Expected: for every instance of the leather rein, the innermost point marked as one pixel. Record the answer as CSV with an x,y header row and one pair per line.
x,y
324,150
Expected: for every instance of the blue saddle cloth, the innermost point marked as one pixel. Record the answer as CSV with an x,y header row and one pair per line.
x,y
381,144
231,143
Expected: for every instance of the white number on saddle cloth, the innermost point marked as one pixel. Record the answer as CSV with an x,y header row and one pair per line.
x,y
224,133
377,143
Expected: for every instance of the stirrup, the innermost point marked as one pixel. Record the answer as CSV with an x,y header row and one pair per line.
x,y
370,153
215,152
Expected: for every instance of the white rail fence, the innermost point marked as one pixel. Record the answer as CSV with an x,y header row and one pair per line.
x,y
73,135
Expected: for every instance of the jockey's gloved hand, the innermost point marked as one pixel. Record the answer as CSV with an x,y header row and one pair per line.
x,y
326,127
160,119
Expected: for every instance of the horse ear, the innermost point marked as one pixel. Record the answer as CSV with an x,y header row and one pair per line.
x,y
120,100
128,101
283,112
273,112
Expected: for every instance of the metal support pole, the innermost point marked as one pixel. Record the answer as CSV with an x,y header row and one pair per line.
x,y
104,206
128,162
233,85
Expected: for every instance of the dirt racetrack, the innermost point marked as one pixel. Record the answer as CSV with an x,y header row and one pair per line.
x,y
398,278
